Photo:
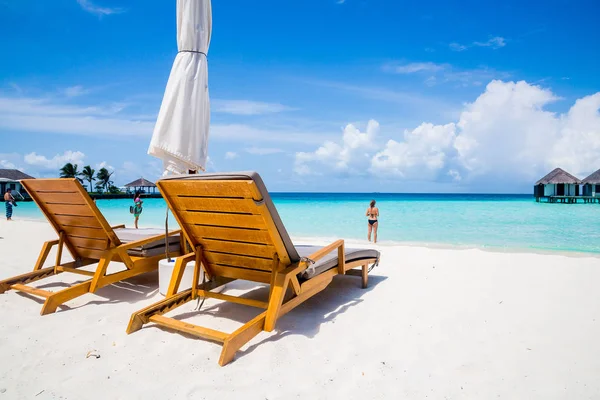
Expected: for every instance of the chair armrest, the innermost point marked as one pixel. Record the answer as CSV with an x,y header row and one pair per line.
x,y
118,226
317,255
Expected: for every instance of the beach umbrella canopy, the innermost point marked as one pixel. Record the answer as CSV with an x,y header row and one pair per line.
x,y
180,135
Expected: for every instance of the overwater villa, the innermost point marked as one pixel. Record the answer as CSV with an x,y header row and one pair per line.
x,y
591,185
11,179
143,185
559,186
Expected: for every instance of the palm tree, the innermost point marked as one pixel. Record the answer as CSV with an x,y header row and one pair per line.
x,y
114,190
103,176
70,171
88,175
99,186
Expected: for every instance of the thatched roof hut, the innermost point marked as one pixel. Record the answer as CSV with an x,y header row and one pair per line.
x,y
559,176
593,179
557,183
141,184
591,185
13,175
10,179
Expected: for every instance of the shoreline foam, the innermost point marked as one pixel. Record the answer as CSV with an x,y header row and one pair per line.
x,y
391,243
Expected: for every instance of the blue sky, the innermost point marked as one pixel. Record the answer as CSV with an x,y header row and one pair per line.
x,y
318,95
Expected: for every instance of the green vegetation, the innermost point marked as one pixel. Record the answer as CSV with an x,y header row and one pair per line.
x,y
88,175
103,178
70,171
104,183
114,190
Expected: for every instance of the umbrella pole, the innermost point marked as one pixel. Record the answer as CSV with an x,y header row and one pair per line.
x,y
167,236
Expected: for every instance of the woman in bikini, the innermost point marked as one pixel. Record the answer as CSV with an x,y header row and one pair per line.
x,y
373,215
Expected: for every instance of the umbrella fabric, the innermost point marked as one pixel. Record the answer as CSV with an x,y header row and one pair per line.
x,y
180,135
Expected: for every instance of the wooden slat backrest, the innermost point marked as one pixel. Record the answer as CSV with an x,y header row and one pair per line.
x,y
230,222
70,210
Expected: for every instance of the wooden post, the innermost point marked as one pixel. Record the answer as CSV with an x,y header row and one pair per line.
x,y
274,272
61,240
341,259
196,278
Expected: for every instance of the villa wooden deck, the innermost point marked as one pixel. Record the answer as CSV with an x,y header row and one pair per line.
x,y
568,199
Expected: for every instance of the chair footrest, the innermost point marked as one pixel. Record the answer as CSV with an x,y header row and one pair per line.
x,y
31,290
195,330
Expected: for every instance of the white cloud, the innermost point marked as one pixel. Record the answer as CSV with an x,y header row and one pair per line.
x,y
7,164
230,155
352,154
411,68
92,8
52,115
494,42
410,100
49,115
104,164
261,151
11,161
247,133
505,135
455,175
55,163
247,107
421,154
74,91
446,73
458,47
340,1
473,77
507,131
578,148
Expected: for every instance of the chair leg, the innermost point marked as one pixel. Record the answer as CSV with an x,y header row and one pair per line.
x,y
100,272
44,254
178,271
275,300
62,296
365,275
240,337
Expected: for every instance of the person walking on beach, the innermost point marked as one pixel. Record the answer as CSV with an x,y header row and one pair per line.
x,y
137,208
373,215
9,200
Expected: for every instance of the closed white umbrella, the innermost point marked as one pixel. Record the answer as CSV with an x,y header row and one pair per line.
x,y
180,135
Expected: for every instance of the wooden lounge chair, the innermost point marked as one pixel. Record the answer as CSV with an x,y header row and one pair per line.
x,y
86,234
236,233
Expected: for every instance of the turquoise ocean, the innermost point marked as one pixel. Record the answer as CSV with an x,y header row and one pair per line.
x,y
495,222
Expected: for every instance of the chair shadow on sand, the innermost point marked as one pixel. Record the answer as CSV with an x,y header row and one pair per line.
x,y
131,290
342,294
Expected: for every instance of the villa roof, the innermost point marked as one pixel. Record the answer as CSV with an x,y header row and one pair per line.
x,y
13,175
558,175
594,178
140,183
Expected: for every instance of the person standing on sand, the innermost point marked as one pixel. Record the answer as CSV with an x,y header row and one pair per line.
x,y
9,200
137,208
373,216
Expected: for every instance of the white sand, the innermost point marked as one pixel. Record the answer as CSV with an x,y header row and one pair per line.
x,y
434,323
